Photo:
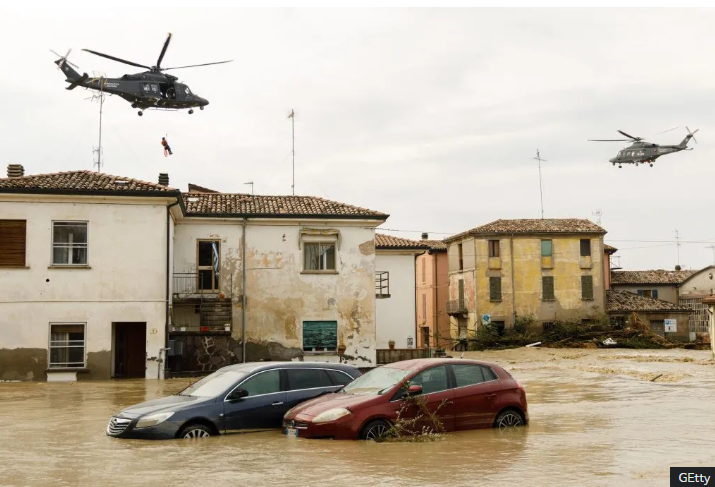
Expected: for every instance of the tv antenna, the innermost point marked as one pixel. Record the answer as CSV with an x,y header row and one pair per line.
x,y
598,214
251,183
541,192
677,245
292,123
99,96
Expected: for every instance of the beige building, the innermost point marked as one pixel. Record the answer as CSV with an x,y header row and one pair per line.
x,y
550,269
664,318
432,295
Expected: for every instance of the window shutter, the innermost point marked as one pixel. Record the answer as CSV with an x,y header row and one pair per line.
x,y
548,287
585,247
461,293
586,287
12,243
495,288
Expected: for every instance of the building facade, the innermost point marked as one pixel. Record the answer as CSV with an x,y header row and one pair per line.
x,y
432,295
544,270
669,320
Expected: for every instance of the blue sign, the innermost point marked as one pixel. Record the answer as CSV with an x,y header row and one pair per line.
x,y
486,318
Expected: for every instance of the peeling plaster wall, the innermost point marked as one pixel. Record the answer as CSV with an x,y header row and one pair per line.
x,y
396,314
125,282
280,297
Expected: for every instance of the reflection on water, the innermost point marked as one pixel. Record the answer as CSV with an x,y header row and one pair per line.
x,y
596,419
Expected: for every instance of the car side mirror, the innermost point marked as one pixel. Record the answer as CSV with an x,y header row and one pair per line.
x,y
414,390
237,394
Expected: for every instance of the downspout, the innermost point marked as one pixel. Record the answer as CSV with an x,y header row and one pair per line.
x,y
435,290
168,296
417,336
513,290
243,291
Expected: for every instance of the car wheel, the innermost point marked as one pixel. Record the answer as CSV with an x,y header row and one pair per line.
x,y
508,419
195,431
374,429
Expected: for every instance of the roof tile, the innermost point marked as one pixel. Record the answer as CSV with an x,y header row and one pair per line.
x,y
618,300
79,181
532,226
656,276
389,242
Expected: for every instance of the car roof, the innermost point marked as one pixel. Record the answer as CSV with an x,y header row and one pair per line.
x,y
419,363
252,366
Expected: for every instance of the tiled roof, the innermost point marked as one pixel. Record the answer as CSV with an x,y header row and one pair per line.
x,y
200,189
657,276
533,226
78,182
435,244
389,242
609,248
232,204
618,300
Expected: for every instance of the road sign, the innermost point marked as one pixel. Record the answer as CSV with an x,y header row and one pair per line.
x,y
486,319
671,326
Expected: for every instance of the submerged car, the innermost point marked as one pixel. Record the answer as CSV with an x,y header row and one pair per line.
x,y
237,398
478,395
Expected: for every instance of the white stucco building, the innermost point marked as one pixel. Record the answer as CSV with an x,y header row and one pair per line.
x,y
395,289
83,273
103,276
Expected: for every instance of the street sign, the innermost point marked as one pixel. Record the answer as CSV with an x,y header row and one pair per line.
x,y
486,319
671,326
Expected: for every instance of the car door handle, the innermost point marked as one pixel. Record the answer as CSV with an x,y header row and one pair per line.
x,y
490,396
276,403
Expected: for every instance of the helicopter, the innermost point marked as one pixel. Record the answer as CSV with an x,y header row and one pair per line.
x,y
642,152
151,89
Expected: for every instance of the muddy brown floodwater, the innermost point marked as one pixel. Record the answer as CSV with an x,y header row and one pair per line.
x,y
597,418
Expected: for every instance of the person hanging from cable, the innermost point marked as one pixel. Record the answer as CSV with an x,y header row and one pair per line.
x,y
167,149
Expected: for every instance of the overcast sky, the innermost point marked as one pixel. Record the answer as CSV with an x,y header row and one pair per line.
x,y
431,115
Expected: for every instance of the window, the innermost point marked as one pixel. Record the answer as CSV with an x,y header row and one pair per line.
x,y
468,375
495,289
585,247
319,256
424,269
320,336
69,243
267,382
382,284
424,308
67,342
547,286
494,248
547,248
12,243
339,378
308,379
586,287
425,336
547,325
209,261
432,380
648,293
461,257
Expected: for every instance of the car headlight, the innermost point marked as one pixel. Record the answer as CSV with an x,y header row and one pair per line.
x,y
153,419
331,415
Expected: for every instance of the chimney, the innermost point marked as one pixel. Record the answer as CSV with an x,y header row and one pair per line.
x,y
163,179
678,268
425,236
15,171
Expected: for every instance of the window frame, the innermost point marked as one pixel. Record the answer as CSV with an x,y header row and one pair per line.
x,y
16,264
50,347
382,285
71,245
199,268
498,295
551,249
584,279
307,241
494,247
552,296
582,244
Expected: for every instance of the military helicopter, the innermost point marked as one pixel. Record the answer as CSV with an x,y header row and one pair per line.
x,y
640,151
148,90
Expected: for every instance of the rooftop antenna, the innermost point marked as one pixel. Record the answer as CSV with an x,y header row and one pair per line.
x,y
541,192
251,183
677,244
598,214
292,123
100,97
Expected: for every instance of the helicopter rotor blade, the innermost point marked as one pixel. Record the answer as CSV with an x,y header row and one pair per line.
x,y
692,134
64,59
163,51
196,65
117,59
608,140
630,136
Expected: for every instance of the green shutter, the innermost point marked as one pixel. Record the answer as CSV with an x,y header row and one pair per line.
x,y
547,248
587,287
547,283
495,288
320,335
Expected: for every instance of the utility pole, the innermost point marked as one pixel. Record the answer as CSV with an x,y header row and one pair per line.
x,y
677,245
251,183
541,192
292,123
98,150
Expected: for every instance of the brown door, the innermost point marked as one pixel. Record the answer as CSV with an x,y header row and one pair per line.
x,y
130,350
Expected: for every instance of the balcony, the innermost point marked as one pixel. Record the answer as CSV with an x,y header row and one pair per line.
x,y
456,306
196,309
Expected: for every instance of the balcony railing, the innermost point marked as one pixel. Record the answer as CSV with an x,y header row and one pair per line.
x,y
456,306
195,309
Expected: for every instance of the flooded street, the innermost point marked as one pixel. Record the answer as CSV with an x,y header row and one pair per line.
x,y
597,418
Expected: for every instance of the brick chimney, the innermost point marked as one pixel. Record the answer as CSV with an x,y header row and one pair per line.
x,y
163,179
425,236
15,171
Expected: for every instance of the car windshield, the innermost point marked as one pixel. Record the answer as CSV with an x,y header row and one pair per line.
x,y
375,382
214,384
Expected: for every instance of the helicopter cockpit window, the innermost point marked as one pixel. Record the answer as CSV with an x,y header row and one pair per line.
x,y
147,87
155,88
186,89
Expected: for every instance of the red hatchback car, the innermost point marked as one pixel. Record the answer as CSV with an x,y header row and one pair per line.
x,y
479,395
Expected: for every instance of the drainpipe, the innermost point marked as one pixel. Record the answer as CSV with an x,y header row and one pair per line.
x,y
435,290
417,328
243,291
513,290
168,274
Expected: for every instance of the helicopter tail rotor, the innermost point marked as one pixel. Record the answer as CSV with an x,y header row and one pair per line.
x,y
63,59
692,134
